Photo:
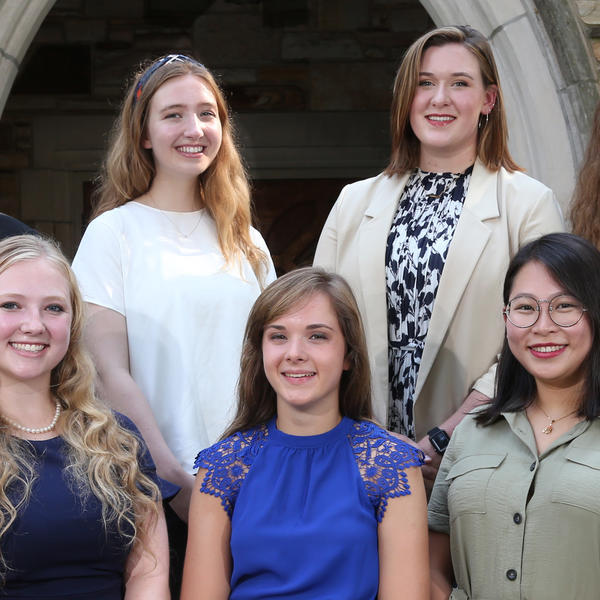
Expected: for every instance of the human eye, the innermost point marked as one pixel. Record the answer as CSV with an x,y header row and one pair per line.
x,y
461,83
523,305
276,336
9,305
173,115
565,303
55,308
208,113
425,83
318,336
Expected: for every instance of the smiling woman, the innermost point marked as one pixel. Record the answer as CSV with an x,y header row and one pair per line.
x,y
80,513
305,497
424,244
170,267
530,457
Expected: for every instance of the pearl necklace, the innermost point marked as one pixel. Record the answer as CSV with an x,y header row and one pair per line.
x,y
35,429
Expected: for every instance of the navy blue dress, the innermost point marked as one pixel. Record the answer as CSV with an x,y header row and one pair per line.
x,y
305,509
58,547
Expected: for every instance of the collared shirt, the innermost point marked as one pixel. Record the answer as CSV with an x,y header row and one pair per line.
x,y
521,526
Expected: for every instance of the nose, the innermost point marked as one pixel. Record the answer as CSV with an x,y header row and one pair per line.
x,y
295,350
193,127
544,322
32,322
440,97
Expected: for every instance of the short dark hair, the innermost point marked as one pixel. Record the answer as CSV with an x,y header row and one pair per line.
x,y
575,264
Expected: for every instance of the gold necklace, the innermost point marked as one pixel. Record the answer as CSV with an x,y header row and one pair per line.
x,y
164,213
548,428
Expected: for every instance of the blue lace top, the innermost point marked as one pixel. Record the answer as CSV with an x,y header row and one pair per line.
x,y
304,509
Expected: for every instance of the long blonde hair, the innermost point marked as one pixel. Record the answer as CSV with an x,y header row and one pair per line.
x,y
102,455
129,168
492,141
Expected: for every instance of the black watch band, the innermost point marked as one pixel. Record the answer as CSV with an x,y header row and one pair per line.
x,y
439,439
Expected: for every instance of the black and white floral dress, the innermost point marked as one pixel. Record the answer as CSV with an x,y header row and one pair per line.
x,y
417,246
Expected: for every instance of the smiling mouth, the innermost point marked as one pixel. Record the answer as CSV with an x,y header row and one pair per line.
x,y
440,118
299,375
547,349
191,149
28,347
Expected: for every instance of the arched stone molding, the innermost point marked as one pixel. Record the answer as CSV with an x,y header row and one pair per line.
x,y
19,22
548,79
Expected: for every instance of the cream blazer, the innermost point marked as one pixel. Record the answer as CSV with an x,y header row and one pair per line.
x,y
502,212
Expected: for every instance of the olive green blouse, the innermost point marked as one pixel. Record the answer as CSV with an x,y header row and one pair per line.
x,y
521,526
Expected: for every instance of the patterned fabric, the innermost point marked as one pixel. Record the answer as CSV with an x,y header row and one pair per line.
x,y
228,463
417,246
381,460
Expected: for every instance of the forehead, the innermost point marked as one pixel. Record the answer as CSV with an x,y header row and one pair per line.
x,y
187,89
315,308
449,57
36,275
535,279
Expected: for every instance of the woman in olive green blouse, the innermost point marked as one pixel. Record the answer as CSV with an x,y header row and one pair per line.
x,y
515,510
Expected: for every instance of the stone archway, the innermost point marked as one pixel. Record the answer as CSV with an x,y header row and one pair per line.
x,y
19,22
549,80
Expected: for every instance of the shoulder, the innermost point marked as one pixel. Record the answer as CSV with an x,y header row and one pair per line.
x,y
382,460
366,434
227,463
258,240
528,189
364,189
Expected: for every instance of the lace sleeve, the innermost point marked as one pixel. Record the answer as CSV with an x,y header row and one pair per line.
x,y
227,463
382,462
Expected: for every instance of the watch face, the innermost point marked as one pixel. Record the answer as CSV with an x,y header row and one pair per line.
x,y
439,440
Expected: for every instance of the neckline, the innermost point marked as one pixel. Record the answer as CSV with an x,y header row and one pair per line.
x,y
309,441
422,173
170,212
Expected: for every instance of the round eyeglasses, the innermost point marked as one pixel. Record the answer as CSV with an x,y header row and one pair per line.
x,y
524,311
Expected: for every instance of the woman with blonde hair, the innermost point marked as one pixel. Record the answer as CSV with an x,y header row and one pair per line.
x,y
425,243
80,513
170,265
305,497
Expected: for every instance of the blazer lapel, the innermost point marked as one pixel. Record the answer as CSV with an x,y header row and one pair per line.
x,y
372,242
470,238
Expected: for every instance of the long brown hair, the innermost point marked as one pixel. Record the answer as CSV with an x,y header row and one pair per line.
x,y
492,142
102,455
585,209
256,397
129,168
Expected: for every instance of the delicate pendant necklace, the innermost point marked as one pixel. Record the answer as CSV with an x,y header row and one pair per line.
x,y
548,429
35,429
185,236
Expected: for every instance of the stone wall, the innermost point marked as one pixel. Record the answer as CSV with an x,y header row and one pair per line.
x,y
308,80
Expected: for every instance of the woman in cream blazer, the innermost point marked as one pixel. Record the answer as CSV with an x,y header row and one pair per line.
x,y
502,210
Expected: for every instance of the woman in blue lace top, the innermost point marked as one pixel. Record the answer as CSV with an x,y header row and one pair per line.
x,y
305,497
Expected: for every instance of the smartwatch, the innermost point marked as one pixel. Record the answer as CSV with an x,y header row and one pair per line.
x,y
439,439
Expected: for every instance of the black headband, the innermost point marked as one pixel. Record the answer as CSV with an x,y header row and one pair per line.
x,y
165,60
